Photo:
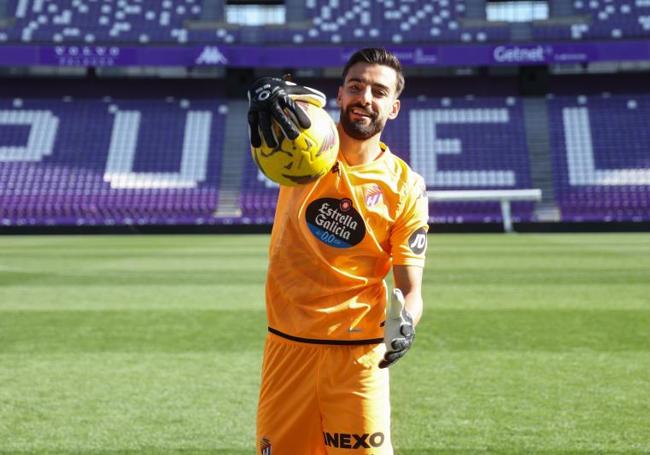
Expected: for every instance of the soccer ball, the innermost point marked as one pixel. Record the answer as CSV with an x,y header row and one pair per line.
x,y
305,159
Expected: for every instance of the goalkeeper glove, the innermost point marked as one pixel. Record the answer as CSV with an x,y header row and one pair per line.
x,y
399,331
271,98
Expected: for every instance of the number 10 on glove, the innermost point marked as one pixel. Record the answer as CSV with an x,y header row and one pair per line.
x,y
399,331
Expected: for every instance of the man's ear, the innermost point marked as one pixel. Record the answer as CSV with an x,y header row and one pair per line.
x,y
394,110
338,97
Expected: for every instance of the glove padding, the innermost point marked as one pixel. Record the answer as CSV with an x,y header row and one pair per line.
x,y
399,331
271,98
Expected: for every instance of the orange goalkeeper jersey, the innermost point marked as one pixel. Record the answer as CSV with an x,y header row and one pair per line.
x,y
334,241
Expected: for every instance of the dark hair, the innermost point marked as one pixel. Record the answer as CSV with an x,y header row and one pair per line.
x,y
378,56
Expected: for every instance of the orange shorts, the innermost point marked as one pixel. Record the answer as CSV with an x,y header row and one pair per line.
x,y
319,399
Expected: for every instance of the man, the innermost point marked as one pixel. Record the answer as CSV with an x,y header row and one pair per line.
x,y
325,383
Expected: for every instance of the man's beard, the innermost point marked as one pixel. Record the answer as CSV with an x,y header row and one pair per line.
x,y
361,131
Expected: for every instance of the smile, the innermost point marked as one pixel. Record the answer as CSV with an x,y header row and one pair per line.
x,y
361,113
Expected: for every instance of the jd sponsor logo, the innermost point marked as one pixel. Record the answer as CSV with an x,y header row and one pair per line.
x,y
418,241
335,222
354,441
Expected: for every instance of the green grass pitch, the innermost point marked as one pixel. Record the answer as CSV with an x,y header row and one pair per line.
x,y
152,344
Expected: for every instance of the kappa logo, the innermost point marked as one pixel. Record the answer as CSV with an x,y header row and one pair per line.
x,y
354,441
418,241
265,446
211,55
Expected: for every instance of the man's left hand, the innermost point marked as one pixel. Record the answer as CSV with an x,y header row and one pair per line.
x,y
399,331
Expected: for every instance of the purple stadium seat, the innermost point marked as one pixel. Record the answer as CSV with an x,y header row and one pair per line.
x,y
600,156
600,19
115,161
120,21
327,22
156,160
164,21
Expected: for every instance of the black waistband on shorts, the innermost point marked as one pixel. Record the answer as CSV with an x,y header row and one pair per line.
x,y
317,341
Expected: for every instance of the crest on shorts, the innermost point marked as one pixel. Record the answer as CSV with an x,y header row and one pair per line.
x,y
265,446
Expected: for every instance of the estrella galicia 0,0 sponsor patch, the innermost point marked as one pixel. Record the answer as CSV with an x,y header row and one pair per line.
x,y
418,241
335,222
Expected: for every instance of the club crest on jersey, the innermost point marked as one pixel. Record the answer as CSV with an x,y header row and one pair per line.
x,y
373,195
335,222
265,446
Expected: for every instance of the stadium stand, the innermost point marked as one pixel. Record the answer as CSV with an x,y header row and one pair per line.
x,y
93,21
140,151
107,160
600,156
96,158
319,22
465,143
454,143
599,19
258,195
324,21
337,21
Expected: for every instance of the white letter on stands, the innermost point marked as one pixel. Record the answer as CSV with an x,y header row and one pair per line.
x,y
42,132
121,155
580,155
425,146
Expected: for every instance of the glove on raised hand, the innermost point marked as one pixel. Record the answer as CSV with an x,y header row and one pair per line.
x,y
399,331
274,98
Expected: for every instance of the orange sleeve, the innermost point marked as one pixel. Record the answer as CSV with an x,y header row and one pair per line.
x,y
408,237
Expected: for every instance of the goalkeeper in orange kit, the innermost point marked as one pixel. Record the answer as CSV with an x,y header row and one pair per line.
x,y
331,336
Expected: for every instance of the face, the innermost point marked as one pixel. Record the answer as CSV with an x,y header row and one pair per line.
x,y
367,100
